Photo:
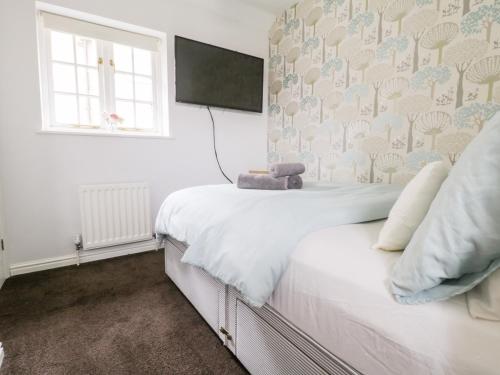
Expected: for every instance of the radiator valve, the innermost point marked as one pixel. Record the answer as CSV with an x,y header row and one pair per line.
x,y
77,240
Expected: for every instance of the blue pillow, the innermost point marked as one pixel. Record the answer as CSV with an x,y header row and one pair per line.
x,y
457,245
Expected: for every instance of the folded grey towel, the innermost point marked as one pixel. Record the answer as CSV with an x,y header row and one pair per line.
x,y
294,182
266,182
262,182
286,169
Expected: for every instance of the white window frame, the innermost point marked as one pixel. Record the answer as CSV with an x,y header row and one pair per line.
x,y
106,74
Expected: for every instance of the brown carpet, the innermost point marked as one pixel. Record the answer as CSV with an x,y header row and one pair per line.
x,y
119,316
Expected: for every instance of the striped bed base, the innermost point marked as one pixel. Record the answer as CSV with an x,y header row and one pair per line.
x,y
264,341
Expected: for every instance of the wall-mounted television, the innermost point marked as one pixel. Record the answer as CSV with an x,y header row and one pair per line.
x,y
218,77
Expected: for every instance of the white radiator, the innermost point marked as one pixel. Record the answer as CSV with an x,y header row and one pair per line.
x,y
114,214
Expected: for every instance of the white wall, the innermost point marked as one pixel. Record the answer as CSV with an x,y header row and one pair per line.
x,y
40,173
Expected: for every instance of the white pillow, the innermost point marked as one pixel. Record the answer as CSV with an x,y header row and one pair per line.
x,y
411,207
484,300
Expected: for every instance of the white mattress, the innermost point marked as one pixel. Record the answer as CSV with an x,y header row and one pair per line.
x,y
335,289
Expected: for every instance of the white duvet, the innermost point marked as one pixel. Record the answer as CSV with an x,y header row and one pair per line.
x,y
245,237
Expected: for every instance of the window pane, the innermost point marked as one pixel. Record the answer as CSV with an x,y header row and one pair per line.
x,y
126,111
86,51
142,61
122,56
143,89
64,77
144,115
88,81
62,46
95,111
124,88
90,113
65,108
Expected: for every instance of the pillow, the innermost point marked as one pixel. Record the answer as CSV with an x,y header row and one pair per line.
x,y
458,243
484,300
411,207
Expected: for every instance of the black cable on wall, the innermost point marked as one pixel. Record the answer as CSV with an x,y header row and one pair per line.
x,y
215,146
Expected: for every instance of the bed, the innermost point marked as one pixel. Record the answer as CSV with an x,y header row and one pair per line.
x,y
345,306
332,313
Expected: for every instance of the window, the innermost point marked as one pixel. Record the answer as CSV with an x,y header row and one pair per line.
x,y
98,78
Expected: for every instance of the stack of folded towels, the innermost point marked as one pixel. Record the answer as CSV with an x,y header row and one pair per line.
x,y
281,176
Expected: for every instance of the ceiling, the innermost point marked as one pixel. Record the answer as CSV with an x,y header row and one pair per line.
x,y
272,6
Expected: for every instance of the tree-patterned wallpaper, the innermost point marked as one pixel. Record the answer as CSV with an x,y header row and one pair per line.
x,y
372,90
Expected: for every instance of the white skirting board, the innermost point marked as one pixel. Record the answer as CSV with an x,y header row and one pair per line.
x,y
85,256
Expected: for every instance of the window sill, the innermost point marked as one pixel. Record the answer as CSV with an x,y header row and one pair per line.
x,y
122,134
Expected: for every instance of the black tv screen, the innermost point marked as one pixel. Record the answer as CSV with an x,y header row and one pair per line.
x,y
214,76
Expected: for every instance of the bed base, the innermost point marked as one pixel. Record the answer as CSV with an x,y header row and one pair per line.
x,y
263,340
